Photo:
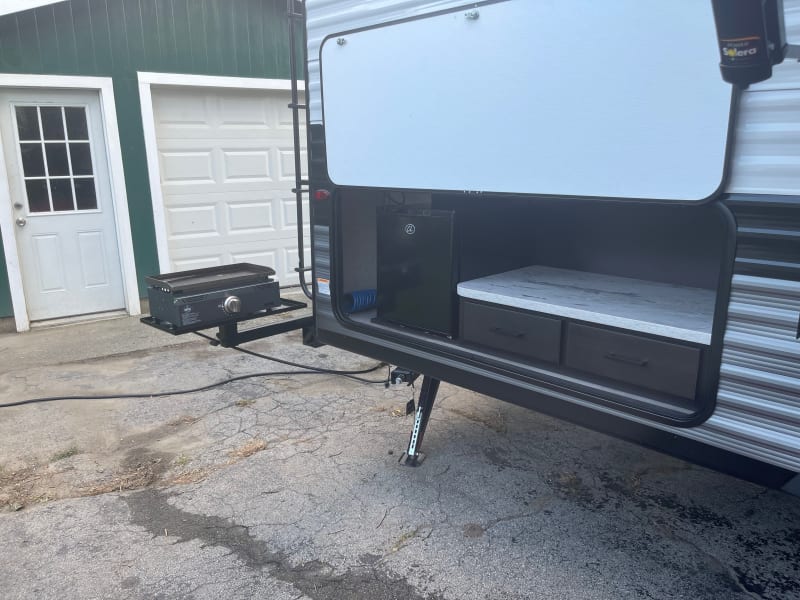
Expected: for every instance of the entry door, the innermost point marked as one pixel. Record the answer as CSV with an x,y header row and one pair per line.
x,y
65,229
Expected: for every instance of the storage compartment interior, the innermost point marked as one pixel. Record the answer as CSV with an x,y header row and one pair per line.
x,y
563,284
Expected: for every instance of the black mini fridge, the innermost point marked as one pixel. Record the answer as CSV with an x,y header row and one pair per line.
x,y
417,269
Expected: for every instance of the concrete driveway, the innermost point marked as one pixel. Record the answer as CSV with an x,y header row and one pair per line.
x,y
288,487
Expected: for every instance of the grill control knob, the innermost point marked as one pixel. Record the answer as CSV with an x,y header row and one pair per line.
x,y
232,305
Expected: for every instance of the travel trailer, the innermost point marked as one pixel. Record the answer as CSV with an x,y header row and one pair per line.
x,y
565,206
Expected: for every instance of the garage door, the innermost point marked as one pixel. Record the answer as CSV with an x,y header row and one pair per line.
x,y
227,173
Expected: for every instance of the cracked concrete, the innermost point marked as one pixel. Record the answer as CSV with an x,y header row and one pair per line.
x,y
289,488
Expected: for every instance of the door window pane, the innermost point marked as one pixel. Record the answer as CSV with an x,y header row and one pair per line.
x,y
52,122
77,128
85,194
56,158
81,156
61,190
57,164
32,160
38,201
28,123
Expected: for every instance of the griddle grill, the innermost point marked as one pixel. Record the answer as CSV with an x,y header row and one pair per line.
x,y
188,301
212,278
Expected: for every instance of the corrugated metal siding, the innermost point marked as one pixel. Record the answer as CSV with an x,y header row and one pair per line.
x,y
244,38
322,244
758,405
766,157
769,237
784,75
117,38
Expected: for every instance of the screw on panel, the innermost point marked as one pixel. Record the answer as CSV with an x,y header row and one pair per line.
x,y
472,14
341,41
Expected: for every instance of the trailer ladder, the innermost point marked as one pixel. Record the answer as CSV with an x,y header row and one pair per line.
x,y
296,16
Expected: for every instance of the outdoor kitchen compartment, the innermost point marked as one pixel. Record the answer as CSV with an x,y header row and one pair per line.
x,y
202,298
620,298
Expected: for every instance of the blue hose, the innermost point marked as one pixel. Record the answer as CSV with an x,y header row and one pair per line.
x,y
359,300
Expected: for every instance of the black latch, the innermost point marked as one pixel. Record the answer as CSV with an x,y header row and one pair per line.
x,y
401,375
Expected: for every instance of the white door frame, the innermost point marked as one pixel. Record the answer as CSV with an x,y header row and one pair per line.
x,y
104,86
146,81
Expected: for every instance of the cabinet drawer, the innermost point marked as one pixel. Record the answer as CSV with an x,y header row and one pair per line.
x,y
511,331
656,365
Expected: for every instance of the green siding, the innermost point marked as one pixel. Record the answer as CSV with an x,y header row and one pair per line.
x,y
5,294
117,38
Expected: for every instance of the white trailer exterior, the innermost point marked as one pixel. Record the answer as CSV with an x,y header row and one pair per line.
x,y
757,413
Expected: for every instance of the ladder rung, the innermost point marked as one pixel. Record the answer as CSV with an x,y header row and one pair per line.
x,y
298,106
304,269
302,191
296,10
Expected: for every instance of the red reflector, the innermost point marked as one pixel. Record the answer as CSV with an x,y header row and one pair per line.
x,y
322,195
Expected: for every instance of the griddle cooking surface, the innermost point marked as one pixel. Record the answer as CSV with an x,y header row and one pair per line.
x,y
213,278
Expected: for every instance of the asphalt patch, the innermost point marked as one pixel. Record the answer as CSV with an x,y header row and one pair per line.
x,y
150,509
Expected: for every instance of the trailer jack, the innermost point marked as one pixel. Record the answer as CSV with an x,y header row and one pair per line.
x,y
427,396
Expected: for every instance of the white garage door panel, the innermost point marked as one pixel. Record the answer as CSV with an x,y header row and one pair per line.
x,y
182,167
227,171
233,215
192,222
250,217
246,165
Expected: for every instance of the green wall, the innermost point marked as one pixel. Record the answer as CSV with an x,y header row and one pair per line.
x,y
117,38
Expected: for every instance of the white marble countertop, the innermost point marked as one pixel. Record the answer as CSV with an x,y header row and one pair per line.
x,y
674,311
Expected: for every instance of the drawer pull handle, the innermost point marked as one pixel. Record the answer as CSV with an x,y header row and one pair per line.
x,y
505,332
631,360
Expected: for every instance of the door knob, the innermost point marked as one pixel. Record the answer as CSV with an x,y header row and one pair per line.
x,y
22,222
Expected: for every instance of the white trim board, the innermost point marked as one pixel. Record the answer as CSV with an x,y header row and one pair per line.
x,y
104,86
146,81
247,83
15,6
